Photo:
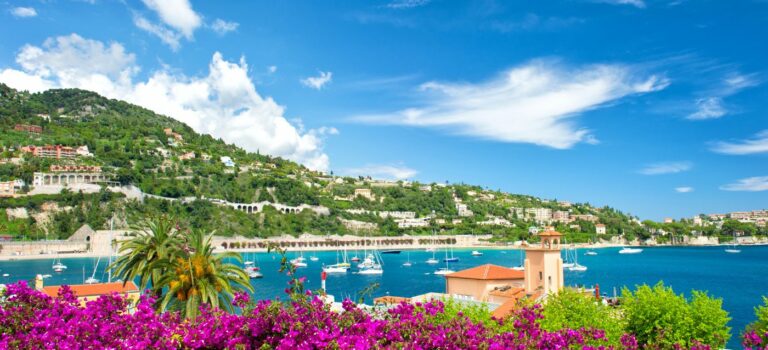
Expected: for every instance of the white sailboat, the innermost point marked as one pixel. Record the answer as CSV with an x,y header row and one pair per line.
x,y
520,267
299,261
733,248
452,258
477,253
567,263
433,249
445,270
338,267
58,266
93,279
372,264
251,269
408,262
576,266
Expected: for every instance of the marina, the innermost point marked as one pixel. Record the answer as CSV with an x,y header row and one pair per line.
x,y
737,278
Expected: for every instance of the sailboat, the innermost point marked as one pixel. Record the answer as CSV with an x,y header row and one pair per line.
x,y
452,258
520,267
93,279
477,253
313,258
299,261
733,249
408,262
251,269
591,251
58,266
444,270
432,260
371,265
576,266
338,267
567,261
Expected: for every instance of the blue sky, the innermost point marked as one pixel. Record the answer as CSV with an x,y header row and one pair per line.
x,y
657,108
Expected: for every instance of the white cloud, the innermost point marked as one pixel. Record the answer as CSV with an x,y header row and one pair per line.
x,y
319,81
178,14
223,103
711,107
758,144
24,12
750,184
635,3
178,18
708,108
666,168
392,172
272,69
406,4
222,27
168,36
533,103
684,189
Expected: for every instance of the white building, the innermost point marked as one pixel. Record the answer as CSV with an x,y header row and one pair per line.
x,y
409,223
600,229
463,210
228,162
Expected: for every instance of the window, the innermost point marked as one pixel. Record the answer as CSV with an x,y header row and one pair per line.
x,y
541,275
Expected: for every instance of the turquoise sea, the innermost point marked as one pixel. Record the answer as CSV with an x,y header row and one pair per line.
x,y
740,279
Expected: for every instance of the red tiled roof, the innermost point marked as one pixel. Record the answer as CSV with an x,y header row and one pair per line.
x,y
87,290
511,305
488,272
390,300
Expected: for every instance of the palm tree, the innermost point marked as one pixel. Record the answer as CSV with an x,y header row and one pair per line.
x,y
197,276
156,240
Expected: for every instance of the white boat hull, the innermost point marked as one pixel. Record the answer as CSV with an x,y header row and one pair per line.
x,y
630,251
335,270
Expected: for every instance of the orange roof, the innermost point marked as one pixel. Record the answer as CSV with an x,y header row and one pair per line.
x,y
88,290
600,225
515,292
551,233
488,272
511,305
391,300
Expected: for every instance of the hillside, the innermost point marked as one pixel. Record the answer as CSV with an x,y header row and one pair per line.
x,y
226,189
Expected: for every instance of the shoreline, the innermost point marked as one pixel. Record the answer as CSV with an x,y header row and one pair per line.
x,y
4,258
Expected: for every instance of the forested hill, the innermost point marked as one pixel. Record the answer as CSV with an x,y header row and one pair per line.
x,y
163,157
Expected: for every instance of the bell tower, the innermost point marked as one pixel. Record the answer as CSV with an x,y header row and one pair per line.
x,y
543,265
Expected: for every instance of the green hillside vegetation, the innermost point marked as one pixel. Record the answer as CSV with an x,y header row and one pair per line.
x,y
130,144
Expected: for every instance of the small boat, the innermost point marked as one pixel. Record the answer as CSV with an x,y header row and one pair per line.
x,y
299,261
253,272
476,253
577,267
408,263
91,280
733,249
444,271
313,258
46,276
335,268
430,249
432,261
355,259
374,270
591,252
451,258
58,266
518,268
5,275
390,251
627,250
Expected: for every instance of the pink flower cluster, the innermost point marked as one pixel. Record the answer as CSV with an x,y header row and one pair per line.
x,y
753,340
32,320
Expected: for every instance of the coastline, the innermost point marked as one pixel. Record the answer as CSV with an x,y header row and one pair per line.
x,y
411,248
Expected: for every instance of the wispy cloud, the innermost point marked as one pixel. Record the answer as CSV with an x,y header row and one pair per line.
x,y
390,172
750,184
533,21
319,81
666,168
24,12
533,103
272,69
406,4
712,106
178,19
684,189
635,3
757,144
222,27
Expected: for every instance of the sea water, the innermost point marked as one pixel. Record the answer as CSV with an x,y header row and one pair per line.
x,y
739,279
